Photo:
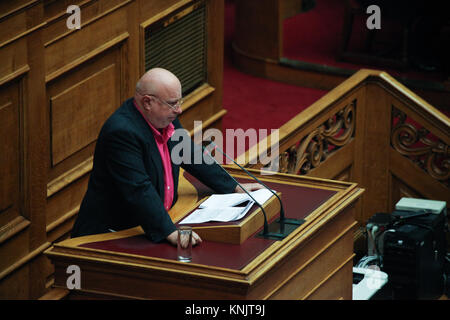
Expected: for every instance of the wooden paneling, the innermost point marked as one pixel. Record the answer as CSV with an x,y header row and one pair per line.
x,y
336,240
215,49
14,61
22,152
21,19
94,86
10,287
10,152
260,25
376,146
67,51
55,12
400,189
332,288
323,264
151,8
64,205
260,33
388,160
77,115
416,179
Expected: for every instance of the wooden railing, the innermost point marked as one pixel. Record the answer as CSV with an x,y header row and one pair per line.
x,y
371,130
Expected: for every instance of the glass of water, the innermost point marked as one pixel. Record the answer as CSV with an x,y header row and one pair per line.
x,y
184,245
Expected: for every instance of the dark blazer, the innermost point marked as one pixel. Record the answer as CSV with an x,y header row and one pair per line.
x,y
126,186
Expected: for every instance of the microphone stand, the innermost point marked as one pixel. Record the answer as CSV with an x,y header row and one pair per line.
x,y
293,223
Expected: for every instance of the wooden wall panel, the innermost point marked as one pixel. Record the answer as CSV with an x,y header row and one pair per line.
x,y
10,287
19,19
418,181
66,52
10,152
78,113
22,237
63,206
149,9
9,7
104,67
215,45
13,250
14,60
400,189
55,15
14,219
16,25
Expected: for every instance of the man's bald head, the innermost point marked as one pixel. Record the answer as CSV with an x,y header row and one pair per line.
x,y
158,81
157,95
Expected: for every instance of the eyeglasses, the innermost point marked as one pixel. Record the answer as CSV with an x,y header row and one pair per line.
x,y
174,106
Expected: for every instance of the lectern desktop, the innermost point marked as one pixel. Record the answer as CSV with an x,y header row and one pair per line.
x,y
313,262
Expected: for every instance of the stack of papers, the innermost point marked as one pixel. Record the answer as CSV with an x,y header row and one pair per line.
x,y
225,207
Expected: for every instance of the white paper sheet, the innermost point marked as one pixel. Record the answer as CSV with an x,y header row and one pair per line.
x,y
224,207
217,214
224,200
261,195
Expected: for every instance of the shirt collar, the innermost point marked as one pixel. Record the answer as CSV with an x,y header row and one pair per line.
x,y
163,135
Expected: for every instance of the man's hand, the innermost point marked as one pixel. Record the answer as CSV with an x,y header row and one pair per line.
x,y
249,187
173,238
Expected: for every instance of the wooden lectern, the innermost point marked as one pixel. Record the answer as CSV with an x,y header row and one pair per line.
x,y
313,262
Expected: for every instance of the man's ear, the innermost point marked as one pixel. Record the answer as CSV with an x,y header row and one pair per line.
x,y
146,103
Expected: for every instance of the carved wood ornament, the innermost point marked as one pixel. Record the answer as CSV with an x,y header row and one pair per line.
x,y
318,145
420,146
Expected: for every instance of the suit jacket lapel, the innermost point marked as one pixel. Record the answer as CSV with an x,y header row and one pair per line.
x,y
150,140
175,168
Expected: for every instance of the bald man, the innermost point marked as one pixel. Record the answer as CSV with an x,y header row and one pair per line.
x,y
133,181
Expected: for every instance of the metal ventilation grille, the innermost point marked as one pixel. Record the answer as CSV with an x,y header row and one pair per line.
x,y
179,46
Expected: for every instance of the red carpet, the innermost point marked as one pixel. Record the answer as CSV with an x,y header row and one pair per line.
x,y
258,103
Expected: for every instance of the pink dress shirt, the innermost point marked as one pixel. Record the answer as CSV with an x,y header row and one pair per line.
x,y
161,138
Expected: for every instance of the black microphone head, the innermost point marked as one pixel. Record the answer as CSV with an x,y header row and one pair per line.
x,y
208,141
209,146
205,144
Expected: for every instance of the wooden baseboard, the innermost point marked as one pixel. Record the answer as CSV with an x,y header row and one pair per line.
x,y
55,294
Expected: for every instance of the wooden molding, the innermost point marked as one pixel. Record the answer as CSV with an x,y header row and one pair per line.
x,y
85,23
25,259
69,176
14,227
107,45
14,75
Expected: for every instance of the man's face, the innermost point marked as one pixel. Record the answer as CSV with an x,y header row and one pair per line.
x,y
162,108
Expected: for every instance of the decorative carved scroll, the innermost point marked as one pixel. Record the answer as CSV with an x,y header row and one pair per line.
x,y
421,147
318,145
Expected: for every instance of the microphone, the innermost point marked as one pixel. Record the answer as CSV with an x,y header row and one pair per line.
x,y
293,223
265,232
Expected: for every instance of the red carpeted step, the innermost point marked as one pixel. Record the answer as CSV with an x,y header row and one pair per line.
x,y
258,103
